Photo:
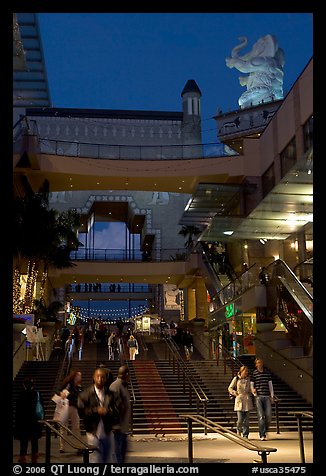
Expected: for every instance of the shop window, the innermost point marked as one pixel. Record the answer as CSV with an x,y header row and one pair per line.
x,y
288,157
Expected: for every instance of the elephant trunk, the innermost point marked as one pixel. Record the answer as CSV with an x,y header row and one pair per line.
x,y
236,49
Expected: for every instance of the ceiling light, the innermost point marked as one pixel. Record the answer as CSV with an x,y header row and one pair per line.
x,y
230,232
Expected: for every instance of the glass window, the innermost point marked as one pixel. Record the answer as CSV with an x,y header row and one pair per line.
x,y
268,180
288,157
308,132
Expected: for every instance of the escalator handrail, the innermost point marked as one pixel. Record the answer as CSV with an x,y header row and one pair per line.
x,y
275,263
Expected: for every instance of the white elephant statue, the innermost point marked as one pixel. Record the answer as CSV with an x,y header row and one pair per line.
x,y
264,63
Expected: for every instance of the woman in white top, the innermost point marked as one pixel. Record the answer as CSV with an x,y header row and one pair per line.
x,y
240,389
133,347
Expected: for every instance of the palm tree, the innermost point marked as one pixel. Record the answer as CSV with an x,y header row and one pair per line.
x,y
65,240
189,231
46,313
42,237
32,221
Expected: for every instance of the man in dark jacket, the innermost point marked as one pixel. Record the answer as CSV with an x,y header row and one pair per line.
x,y
121,430
97,407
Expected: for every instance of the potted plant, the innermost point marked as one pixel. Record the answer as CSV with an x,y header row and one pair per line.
x,y
47,314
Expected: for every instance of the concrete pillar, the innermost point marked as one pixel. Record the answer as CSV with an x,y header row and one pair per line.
x,y
201,299
191,304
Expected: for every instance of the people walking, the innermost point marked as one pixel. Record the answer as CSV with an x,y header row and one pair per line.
x,y
26,423
72,385
108,375
97,407
111,345
122,396
263,391
240,388
263,275
132,345
188,343
245,277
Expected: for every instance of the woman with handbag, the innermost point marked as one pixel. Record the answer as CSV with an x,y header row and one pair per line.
x,y
240,388
26,424
70,389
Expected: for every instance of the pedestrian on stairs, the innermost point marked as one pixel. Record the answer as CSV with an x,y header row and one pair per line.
x,y
132,345
122,396
240,389
72,384
188,343
96,405
263,391
112,346
27,428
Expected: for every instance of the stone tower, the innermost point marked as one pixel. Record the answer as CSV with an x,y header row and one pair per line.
x,y
191,95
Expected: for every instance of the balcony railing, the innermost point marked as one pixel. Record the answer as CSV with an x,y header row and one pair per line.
x,y
93,254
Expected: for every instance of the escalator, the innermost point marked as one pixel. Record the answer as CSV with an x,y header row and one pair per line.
x,y
215,280
288,298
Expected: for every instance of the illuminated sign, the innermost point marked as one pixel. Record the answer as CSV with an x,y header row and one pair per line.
x,y
229,310
71,319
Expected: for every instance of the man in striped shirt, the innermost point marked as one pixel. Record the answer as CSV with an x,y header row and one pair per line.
x,y
263,391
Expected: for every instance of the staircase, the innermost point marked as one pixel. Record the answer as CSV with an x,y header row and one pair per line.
x,y
45,374
161,393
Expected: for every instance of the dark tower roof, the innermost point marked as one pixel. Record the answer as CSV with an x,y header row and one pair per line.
x,y
191,87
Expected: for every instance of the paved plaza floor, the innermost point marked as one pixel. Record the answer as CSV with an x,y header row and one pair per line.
x,y
210,448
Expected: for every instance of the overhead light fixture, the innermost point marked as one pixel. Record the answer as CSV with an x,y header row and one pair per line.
x,y
229,232
263,241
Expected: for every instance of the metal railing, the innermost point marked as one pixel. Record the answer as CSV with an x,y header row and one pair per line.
x,y
299,415
184,374
111,151
51,426
262,451
158,255
132,152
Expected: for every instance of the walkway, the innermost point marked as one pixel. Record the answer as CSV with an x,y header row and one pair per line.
x,y
211,448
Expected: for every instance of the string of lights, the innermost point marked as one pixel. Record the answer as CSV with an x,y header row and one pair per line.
x,y
122,313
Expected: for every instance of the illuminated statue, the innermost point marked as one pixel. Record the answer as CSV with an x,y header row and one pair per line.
x,y
264,63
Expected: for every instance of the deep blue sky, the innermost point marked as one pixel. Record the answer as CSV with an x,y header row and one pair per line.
x,y
142,60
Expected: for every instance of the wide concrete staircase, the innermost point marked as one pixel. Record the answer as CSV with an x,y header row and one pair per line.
x,y
161,392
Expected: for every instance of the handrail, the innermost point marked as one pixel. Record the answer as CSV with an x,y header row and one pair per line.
x,y
299,415
175,351
119,255
236,363
262,451
132,152
143,345
289,270
196,388
20,345
302,370
50,425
